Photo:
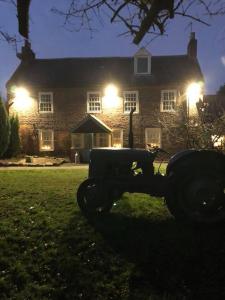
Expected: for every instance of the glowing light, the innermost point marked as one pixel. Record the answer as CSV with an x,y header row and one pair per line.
x,y
22,100
111,98
194,93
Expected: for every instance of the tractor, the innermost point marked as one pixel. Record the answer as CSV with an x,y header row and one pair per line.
x,y
193,186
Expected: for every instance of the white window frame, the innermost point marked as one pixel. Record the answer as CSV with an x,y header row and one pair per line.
x,y
40,140
137,101
160,135
100,98
162,100
121,136
136,65
39,102
82,141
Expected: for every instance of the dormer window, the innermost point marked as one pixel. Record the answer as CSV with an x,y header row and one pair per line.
x,y
142,62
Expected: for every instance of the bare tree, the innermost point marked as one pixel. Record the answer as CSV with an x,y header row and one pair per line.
x,y
140,17
204,130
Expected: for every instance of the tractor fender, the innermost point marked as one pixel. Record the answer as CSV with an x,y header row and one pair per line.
x,y
189,159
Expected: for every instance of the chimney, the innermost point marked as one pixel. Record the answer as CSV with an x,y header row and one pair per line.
x,y
26,54
192,46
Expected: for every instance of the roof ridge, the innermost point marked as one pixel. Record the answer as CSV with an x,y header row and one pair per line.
x,y
106,57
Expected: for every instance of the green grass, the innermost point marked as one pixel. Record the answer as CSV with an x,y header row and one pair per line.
x,y
49,251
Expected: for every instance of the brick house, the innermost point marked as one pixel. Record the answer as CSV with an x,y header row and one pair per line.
x,y
70,105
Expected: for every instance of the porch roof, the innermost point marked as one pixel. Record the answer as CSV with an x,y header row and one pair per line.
x,y
91,124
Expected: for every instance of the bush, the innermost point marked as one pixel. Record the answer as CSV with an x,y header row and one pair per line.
x,y
14,146
4,129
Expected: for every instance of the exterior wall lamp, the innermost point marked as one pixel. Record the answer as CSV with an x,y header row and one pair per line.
x,y
20,100
111,99
194,94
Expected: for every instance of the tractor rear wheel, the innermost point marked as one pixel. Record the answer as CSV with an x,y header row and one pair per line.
x,y
199,196
92,199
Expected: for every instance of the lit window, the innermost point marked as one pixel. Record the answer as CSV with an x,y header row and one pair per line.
x,y
46,138
101,140
117,138
46,102
218,141
131,101
152,137
168,100
94,103
77,140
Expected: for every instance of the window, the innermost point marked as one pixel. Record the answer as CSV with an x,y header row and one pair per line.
x,y
218,141
142,62
94,103
153,137
142,65
77,141
168,100
101,140
117,138
131,101
46,102
46,138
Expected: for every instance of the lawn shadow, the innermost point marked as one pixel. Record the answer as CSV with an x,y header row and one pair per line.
x,y
167,258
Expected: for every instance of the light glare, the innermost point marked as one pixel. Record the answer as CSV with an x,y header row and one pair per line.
x,y
22,99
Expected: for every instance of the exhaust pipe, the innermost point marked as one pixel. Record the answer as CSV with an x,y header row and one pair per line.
x,y
131,137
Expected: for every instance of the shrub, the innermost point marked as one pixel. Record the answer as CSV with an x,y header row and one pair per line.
x,y
4,129
14,146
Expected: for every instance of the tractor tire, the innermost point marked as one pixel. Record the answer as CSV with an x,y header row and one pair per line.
x,y
92,199
198,195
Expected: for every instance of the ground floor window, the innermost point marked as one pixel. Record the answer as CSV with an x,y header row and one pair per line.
x,y
46,139
101,140
218,141
77,140
153,137
117,138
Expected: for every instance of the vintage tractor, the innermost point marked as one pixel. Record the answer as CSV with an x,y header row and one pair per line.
x,y
193,186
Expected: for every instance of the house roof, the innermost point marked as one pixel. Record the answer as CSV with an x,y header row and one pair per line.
x,y
91,124
80,72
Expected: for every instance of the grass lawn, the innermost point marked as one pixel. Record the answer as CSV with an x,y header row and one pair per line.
x,y
49,251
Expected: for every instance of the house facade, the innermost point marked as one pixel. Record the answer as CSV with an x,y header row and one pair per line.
x,y
71,105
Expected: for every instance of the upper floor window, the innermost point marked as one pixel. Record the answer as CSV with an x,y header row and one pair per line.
x,y
46,139
142,62
168,100
94,102
46,102
131,101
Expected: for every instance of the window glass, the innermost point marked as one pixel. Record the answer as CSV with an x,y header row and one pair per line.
x,y
130,101
168,100
46,140
142,65
101,140
77,140
153,137
45,102
117,138
94,102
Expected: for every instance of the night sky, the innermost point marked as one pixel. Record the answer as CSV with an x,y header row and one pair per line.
x,y
50,39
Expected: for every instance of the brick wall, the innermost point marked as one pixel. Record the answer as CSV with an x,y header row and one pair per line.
x,y
70,107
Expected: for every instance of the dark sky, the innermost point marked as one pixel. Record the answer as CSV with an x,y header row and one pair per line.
x,y
50,39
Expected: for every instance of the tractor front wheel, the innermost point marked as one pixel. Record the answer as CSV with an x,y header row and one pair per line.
x,y
92,199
